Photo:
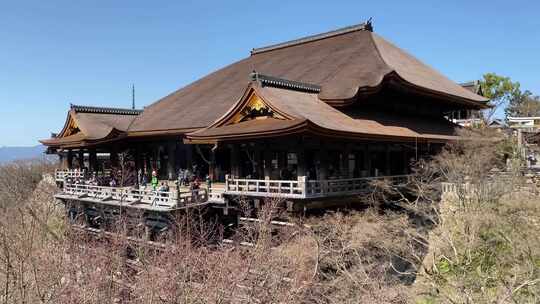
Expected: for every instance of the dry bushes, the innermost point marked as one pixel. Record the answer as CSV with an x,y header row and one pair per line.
x,y
487,255
336,259
483,248
358,254
19,179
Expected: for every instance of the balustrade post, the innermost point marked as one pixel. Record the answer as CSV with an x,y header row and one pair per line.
x,y
81,159
302,184
93,161
69,159
291,191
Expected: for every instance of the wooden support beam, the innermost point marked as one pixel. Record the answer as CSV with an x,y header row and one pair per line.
x,y
301,157
257,156
92,160
80,158
171,160
282,159
148,162
406,161
69,159
235,160
267,163
113,158
189,156
344,166
367,160
212,165
388,159
322,158
139,164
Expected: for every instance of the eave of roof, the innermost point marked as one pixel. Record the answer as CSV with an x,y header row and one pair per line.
x,y
306,113
95,125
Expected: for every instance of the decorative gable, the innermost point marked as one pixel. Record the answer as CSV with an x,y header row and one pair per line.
x,y
254,108
71,128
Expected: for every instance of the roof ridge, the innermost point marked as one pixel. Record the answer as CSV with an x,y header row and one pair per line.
x,y
104,110
365,26
271,81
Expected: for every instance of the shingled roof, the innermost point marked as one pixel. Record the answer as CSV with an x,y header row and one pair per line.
x,y
344,64
303,111
86,125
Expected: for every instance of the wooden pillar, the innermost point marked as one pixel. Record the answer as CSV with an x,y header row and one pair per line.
x,y
148,162
406,161
171,160
81,159
258,161
138,158
388,160
344,166
113,157
267,163
212,165
367,160
189,156
235,159
282,161
323,162
301,157
62,159
69,159
92,160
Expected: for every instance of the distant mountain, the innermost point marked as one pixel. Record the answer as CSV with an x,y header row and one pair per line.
x,y
8,154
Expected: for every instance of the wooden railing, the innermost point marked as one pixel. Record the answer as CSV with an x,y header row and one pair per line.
x,y
350,186
302,188
266,187
62,175
131,196
469,191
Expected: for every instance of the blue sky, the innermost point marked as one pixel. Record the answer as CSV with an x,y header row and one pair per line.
x,y
56,52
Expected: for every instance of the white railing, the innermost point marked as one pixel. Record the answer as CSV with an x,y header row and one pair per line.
x,y
131,196
469,191
349,186
266,187
303,188
62,175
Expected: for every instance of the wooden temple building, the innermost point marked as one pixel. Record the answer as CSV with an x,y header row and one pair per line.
x,y
308,119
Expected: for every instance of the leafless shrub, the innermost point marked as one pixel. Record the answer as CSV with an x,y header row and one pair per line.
x,y
483,247
19,179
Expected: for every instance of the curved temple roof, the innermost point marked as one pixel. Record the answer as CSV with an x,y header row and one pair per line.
x,y
345,64
86,125
336,68
304,112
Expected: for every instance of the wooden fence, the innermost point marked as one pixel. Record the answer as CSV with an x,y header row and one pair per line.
x,y
132,196
303,188
62,175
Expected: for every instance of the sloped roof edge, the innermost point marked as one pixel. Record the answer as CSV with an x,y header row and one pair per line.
x,y
365,26
104,110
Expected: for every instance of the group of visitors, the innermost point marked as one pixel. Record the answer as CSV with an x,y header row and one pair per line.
x,y
185,176
117,178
